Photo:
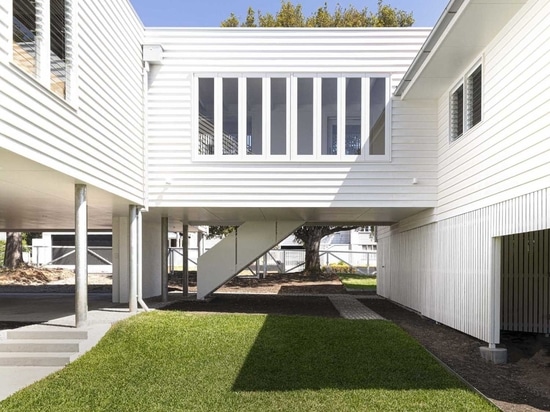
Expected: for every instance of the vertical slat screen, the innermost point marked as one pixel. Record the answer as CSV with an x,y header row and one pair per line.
x,y
525,292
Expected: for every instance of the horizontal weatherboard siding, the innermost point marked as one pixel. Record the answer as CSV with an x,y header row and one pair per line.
x,y
176,179
96,137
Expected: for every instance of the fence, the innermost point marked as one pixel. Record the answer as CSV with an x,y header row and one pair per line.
x,y
287,261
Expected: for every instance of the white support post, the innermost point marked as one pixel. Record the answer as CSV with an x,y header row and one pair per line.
x,y
185,257
164,258
81,250
133,257
494,292
139,254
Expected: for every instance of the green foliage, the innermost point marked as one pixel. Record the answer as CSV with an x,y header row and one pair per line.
x,y
340,267
219,231
173,361
354,281
290,15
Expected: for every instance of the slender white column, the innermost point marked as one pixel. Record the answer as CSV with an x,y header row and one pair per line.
x,y
185,255
139,254
164,258
81,251
133,256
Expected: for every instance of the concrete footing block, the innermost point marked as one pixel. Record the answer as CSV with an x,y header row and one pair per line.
x,y
494,355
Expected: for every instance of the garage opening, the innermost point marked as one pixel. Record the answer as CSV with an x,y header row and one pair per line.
x,y
525,287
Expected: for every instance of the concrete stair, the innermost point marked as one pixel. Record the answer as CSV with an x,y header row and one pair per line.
x,y
47,346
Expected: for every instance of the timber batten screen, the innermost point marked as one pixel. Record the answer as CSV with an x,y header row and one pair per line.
x,y
525,291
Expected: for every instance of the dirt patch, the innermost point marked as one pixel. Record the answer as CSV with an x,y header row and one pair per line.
x,y
521,385
49,280
274,283
33,276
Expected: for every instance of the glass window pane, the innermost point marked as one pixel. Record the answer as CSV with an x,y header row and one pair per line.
x,y
24,30
278,116
206,116
329,121
457,113
377,135
353,116
254,116
57,33
474,98
230,135
305,116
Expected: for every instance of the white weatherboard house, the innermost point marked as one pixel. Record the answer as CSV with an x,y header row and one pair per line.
x,y
440,136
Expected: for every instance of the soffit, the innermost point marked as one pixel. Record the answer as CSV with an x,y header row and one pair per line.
x,y
474,26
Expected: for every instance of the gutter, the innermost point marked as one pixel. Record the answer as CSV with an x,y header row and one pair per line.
x,y
435,35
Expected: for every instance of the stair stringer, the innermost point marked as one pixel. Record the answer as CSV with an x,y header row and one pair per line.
x,y
238,250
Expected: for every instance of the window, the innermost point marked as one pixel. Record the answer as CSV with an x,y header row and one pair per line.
x,y
457,113
377,135
473,94
230,135
42,51
328,118
58,60
254,116
465,104
206,117
24,35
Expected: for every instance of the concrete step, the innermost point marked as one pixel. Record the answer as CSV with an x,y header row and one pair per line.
x,y
40,345
47,333
35,358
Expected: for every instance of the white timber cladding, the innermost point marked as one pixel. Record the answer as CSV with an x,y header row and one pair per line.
x,y
97,135
177,179
443,270
494,181
506,154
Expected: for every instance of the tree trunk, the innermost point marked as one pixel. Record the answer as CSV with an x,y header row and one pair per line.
x,y
313,263
13,256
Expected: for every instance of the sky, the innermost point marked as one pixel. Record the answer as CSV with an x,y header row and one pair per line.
x,y
205,13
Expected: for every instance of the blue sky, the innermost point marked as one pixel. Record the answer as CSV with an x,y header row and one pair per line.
x,y
193,13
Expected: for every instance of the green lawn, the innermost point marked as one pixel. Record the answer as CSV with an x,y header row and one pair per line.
x,y
171,361
362,282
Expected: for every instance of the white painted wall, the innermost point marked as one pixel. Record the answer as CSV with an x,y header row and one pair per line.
x,y
97,137
278,184
507,154
493,181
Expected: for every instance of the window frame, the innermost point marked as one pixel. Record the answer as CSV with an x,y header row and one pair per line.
x,y
291,118
467,102
45,74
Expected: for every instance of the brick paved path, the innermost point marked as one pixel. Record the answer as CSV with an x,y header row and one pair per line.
x,y
350,308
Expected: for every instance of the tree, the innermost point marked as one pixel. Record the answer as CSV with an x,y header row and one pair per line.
x,y
310,237
13,254
290,15
15,242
